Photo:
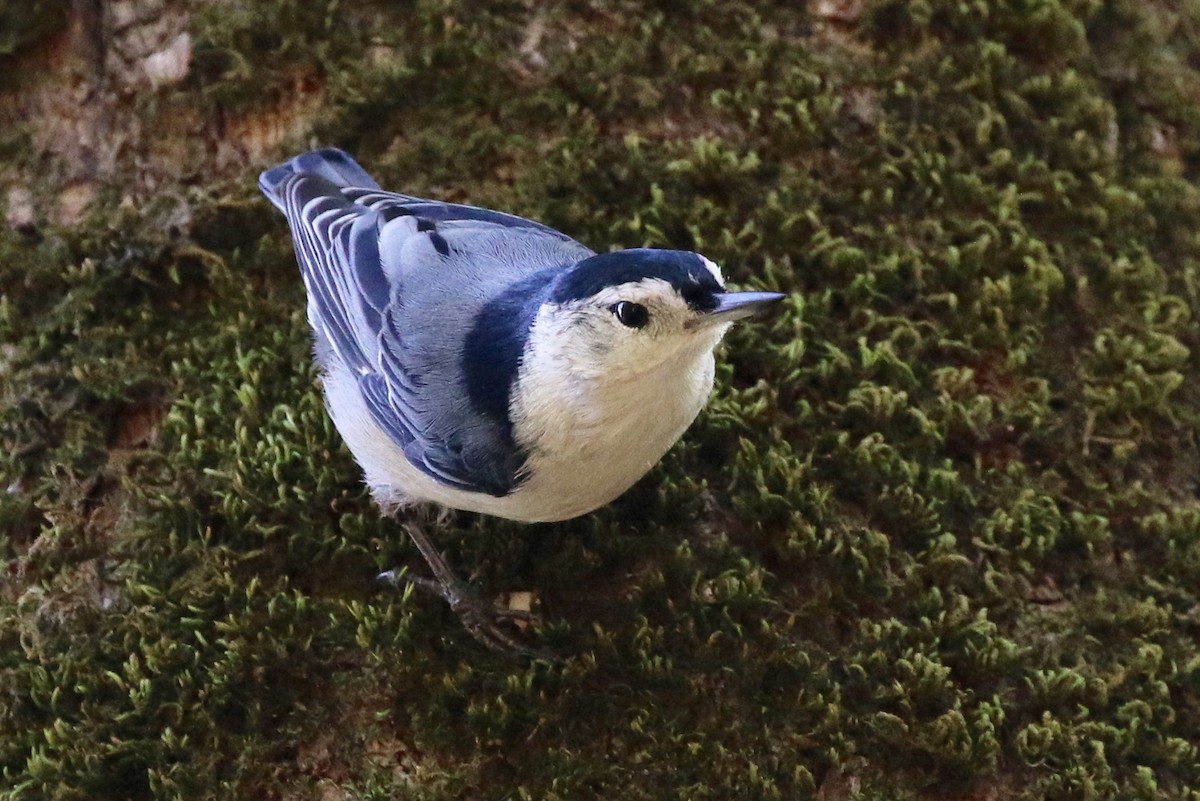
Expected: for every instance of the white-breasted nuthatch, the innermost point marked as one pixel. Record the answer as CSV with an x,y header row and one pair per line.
x,y
489,363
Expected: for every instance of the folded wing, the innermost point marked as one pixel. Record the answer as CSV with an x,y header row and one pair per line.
x,y
393,284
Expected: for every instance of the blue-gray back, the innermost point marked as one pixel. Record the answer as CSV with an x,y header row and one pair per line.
x,y
428,303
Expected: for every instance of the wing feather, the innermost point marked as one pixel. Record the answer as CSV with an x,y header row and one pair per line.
x,y
361,253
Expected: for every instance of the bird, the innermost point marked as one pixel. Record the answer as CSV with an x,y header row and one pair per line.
x,y
481,361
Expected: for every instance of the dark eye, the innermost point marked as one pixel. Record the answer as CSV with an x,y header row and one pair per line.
x,y
633,315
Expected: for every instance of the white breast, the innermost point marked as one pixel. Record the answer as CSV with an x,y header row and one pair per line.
x,y
591,436
596,440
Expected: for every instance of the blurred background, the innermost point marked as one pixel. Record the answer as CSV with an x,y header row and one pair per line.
x,y
937,535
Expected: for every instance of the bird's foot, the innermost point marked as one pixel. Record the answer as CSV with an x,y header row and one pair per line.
x,y
481,618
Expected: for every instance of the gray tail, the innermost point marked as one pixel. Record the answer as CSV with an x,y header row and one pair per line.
x,y
329,163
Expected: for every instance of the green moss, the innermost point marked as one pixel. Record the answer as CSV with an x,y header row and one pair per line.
x,y
25,21
936,534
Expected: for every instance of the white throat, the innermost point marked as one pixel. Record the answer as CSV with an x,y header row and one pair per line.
x,y
592,433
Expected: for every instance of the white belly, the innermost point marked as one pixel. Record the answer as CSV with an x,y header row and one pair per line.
x,y
592,445
575,480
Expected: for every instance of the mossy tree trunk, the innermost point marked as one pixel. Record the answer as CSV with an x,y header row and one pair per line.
x,y
937,536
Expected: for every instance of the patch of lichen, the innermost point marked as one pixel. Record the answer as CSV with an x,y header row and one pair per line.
x,y
936,534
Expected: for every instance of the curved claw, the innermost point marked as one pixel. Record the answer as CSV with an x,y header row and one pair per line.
x,y
454,597
478,618
477,615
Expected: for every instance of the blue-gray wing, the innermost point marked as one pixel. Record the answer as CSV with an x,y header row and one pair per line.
x,y
394,284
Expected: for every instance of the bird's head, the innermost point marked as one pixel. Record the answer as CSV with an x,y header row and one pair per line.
x,y
631,311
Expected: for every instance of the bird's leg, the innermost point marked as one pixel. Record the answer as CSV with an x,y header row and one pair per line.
x,y
478,616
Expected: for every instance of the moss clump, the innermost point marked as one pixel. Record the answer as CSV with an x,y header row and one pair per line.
x,y
25,21
937,534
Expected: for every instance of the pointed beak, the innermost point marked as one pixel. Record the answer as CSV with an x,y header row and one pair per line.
x,y
736,306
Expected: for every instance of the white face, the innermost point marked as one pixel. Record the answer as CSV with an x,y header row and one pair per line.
x,y
604,389
624,331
